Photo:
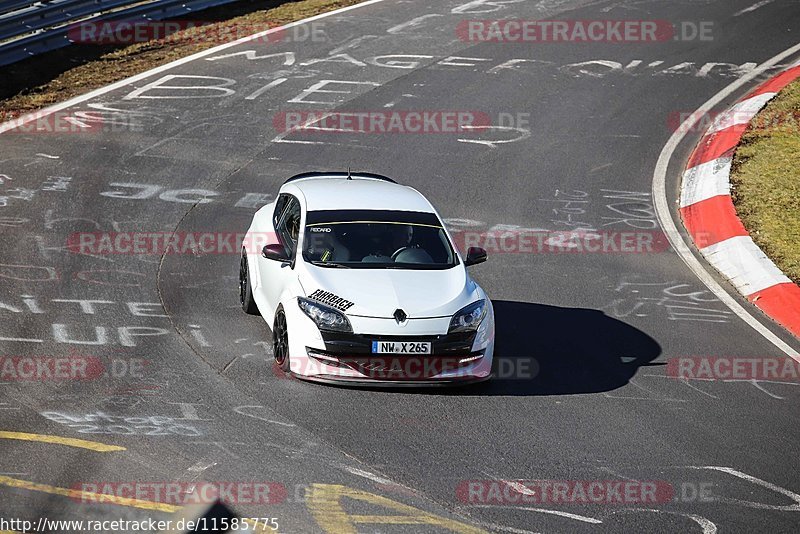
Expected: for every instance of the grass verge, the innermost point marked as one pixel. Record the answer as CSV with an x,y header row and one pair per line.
x,y
122,62
765,180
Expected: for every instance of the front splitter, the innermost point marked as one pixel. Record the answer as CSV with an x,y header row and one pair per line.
x,y
378,383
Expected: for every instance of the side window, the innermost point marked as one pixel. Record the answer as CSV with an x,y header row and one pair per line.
x,y
288,228
280,206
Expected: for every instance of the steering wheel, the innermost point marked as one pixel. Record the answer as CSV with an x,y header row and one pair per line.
x,y
398,251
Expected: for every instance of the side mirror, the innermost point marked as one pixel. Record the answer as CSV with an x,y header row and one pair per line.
x,y
275,252
475,255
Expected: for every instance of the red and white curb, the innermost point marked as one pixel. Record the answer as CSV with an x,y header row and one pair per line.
x,y
708,213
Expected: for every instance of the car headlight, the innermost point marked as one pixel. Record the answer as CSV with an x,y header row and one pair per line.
x,y
468,318
325,317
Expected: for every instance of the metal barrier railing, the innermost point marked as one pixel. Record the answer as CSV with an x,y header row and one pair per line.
x,y
28,28
14,5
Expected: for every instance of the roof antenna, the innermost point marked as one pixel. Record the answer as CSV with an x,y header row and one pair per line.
x,y
348,174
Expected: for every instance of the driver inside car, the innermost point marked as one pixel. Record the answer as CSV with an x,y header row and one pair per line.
x,y
401,236
385,239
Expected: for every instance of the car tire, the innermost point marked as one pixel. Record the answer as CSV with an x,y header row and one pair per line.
x,y
245,289
280,340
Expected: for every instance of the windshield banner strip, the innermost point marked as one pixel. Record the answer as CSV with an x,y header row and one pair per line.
x,y
390,216
375,222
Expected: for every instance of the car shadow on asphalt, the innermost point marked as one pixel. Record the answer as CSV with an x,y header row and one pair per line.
x,y
550,350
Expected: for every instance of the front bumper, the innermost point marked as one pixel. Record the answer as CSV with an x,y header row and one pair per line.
x,y
347,358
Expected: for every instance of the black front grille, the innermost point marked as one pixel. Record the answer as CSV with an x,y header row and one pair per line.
x,y
459,343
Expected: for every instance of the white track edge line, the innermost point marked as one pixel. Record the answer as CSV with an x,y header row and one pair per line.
x,y
668,224
28,117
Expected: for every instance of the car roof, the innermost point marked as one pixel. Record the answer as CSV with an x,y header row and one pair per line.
x,y
343,191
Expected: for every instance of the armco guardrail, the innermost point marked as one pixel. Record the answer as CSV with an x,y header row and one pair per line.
x,y
28,28
14,5
51,14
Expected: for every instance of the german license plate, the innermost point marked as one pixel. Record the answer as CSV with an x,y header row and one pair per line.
x,y
401,347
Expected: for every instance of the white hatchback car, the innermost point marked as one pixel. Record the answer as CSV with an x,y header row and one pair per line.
x,y
361,284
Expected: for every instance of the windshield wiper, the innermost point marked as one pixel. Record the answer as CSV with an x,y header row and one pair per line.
x,y
330,264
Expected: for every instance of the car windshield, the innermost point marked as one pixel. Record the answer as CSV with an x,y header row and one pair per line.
x,y
372,239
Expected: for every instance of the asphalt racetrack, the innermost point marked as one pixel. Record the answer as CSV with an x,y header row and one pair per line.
x,y
584,390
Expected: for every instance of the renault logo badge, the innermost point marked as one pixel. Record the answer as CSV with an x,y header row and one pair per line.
x,y
400,316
